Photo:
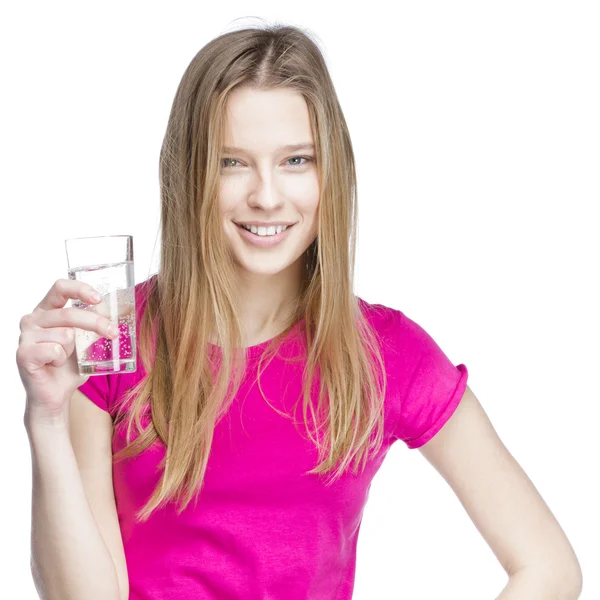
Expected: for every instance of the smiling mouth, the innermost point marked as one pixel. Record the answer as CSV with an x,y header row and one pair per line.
x,y
248,230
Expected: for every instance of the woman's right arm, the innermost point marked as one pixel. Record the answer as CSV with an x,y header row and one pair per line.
x,y
69,558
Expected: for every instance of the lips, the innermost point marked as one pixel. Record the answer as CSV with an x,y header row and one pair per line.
x,y
242,227
264,241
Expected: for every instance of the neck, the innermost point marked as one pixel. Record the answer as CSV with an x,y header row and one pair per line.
x,y
266,302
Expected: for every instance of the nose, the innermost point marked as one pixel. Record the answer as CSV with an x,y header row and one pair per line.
x,y
265,194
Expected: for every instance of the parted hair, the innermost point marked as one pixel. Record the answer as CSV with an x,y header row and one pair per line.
x,y
186,391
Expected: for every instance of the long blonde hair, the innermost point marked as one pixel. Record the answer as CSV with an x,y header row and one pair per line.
x,y
194,294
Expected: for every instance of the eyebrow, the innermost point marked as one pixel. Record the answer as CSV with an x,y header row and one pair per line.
x,y
287,148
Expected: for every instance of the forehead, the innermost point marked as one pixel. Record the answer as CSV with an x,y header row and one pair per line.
x,y
265,120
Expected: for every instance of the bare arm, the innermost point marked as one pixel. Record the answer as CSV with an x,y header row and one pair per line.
x,y
69,558
533,584
505,506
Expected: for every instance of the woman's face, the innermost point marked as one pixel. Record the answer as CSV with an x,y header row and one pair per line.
x,y
262,181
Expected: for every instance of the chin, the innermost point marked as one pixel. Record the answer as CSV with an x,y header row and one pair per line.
x,y
265,270
266,266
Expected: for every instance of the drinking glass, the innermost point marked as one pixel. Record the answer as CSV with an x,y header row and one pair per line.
x,y
105,263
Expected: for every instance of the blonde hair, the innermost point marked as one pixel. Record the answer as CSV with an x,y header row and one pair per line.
x,y
194,293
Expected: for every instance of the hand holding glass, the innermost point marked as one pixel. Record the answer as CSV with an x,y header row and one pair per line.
x,y
105,263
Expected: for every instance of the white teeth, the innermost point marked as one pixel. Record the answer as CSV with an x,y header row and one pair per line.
x,y
265,231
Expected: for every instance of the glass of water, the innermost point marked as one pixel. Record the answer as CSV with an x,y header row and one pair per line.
x,y
105,263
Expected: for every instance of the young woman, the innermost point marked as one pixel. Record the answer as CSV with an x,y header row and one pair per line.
x,y
236,462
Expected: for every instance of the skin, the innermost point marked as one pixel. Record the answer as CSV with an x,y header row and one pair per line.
x,y
504,505
467,452
266,183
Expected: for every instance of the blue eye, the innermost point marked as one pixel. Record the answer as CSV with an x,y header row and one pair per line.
x,y
307,159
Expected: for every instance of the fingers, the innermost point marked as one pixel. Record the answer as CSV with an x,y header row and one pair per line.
x,y
48,334
68,317
64,290
65,336
34,356
75,317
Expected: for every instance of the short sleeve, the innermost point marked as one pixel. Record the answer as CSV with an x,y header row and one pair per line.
x,y
98,389
102,390
431,385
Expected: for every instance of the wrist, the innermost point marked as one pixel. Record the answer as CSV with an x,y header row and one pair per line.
x,y
35,420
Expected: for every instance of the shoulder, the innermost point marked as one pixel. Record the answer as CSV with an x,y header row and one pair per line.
x,y
390,324
413,356
406,335
385,320
424,384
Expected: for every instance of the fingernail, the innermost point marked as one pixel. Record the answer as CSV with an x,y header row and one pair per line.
x,y
96,296
112,330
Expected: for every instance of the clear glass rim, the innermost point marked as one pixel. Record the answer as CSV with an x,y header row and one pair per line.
x,y
97,237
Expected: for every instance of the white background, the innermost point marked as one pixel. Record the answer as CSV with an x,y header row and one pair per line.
x,y
476,128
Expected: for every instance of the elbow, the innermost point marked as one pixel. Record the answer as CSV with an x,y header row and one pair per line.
x,y
558,574
561,583
575,587
572,578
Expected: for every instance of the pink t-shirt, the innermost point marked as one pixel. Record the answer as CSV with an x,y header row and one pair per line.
x,y
262,528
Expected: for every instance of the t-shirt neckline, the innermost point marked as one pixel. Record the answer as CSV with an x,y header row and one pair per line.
x,y
257,349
